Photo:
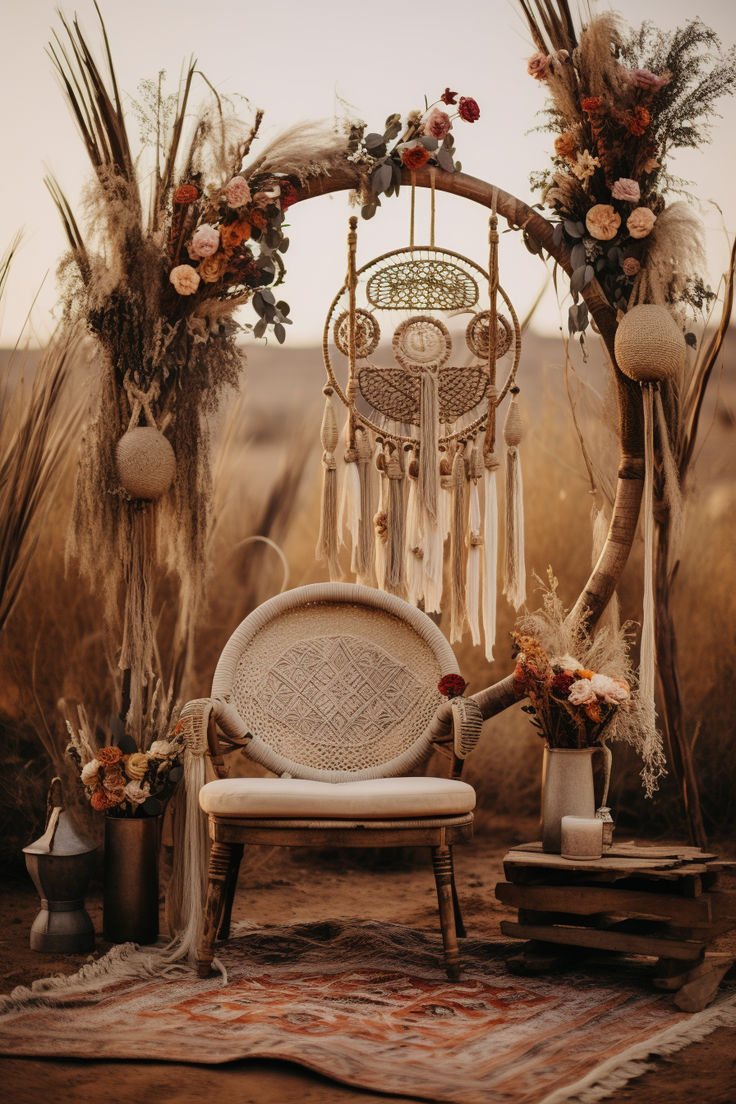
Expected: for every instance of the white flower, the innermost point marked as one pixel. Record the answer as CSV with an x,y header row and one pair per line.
x,y
581,692
163,749
205,240
137,794
585,165
90,771
566,662
611,691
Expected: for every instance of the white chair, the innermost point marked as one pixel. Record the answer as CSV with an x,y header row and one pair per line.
x,y
334,688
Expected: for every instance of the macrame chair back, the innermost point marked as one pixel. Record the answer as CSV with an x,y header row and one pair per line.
x,y
335,681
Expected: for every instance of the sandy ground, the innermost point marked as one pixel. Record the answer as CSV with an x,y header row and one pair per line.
x,y
289,887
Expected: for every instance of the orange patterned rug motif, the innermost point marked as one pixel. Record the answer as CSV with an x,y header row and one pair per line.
x,y
367,1004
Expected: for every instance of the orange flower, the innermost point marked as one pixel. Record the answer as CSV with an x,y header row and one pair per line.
x,y
591,105
101,800
109,756
212,268
233,234
583,672
565,145
258,219
638,121
415,157
593,711
186,193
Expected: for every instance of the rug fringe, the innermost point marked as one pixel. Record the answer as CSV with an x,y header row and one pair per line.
x,y
618,1071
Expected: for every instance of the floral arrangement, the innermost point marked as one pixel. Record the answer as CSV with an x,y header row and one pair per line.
x,y
619,103
127,784
569,704
425,138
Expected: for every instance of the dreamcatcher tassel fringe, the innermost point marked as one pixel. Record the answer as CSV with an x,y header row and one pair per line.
x,y
432,564
349,514
365,551
457,547
380,532
672,490
647,658
414,546
490,561
136,654
395,575
327,541
472,596
429,462
514,563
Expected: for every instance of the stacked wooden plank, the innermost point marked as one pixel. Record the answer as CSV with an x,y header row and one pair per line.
x,y
661,902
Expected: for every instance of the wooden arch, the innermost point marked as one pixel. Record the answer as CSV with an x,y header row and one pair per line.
x,y
629,487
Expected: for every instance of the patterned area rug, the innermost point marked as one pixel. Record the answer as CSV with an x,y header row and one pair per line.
x,y
367,1004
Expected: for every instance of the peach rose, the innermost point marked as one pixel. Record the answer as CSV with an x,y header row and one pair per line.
x,y
136,793
438,124
640,222
136,765
602,222
212,268
237,192
185,279
539,66
205,241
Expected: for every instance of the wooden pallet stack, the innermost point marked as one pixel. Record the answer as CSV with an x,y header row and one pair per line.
x,y
662,902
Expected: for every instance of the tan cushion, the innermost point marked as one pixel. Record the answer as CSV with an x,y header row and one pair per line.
x,y
375,799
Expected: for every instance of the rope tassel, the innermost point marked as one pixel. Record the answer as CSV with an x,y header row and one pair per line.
x,y
365,554
395,574
648,659
475,547
514,562
327,540
429,460
490,559
457,546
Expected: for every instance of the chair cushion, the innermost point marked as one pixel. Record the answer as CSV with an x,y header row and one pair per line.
x,y
374,799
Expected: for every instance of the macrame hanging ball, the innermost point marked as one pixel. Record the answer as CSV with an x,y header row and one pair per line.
x,y
649,344
146,463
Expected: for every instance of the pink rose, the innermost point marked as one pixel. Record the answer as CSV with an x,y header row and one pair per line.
x,y
185,279
602,222
137,793
581,692
630,266
640,222
438,124
627,190
237,192
642,78
539,66
205,241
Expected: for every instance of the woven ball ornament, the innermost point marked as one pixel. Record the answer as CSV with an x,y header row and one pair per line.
x,y
649,344
146,463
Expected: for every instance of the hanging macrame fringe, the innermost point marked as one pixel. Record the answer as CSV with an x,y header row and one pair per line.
x,y
475,553
380,524
348,518
457,546
514,562
490,559
365,551
647,661
327,541
429,461
396,525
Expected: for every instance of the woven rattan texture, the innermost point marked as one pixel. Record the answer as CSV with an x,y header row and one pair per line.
x,y
433,284
476,335
649,344
397,394
337,688
367,333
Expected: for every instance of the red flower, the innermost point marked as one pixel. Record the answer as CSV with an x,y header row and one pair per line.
x,y
591,105
288,194
452,686
449,97
415,157
638,122
561,683
468,109
186,193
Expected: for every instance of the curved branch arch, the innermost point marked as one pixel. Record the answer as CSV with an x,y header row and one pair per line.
x,y
520,216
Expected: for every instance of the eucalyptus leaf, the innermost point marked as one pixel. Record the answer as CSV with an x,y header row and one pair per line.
x,y
577,280
280,333
152,807
381,177
577,255
268,297
283,307
589,274
260,328
175,774
283,245
573,229
373,140
691,339
368,211
557,234
429,142
444,160
258,305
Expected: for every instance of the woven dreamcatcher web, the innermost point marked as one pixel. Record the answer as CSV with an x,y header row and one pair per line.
x,y
413,344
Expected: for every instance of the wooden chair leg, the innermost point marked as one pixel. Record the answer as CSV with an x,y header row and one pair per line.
x,y
221,855
442,863
459,923
231,882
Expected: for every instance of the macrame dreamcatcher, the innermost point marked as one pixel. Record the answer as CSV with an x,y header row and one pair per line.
x,y
419,440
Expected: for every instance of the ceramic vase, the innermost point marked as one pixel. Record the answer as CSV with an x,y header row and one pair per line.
x,y
567,788
130,901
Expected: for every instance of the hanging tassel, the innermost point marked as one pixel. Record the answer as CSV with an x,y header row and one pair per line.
x,y
475,547
429,460
445,497
396,524
672,491
348,517
514,564
490,560
136,653
457,545
647,659
380,521
327,540
414,537
365,554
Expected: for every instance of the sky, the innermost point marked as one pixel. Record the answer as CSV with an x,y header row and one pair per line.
x,y
304,61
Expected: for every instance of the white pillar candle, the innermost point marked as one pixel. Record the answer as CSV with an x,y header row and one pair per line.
x,y
582,837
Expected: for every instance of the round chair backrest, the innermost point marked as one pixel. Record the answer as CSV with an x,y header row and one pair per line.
x,y
335,681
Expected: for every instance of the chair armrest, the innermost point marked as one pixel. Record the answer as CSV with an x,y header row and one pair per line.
x,y
201,718
467,722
